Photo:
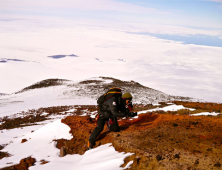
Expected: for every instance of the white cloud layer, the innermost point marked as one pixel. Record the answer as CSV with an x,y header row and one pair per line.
x,y
104,5
22,23
168,66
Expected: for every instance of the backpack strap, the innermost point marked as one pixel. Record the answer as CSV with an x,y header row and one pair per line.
x,y
114,90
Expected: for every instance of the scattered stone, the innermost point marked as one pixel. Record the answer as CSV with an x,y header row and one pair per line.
x,y
138,160
209,150
194,123
196,162
158,157
175,125
24,140
27,162
43,161
9,163
196,152
177,156
218,165
62,151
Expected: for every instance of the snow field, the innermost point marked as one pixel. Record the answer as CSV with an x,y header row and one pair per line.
x,y
103,157
40,145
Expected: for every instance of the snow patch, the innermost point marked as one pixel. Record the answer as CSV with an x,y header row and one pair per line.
x,y
205,114
156,104
44,114
102,157
40,143
167,108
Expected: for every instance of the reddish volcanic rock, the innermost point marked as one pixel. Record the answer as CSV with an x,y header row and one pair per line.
x,y
23,165
158,140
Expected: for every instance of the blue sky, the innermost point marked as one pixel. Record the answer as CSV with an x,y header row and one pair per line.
x,y
198,13
184,12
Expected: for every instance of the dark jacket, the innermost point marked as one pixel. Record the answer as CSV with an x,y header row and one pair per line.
x,y
114,107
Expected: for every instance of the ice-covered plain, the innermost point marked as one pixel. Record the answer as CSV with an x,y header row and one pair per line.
x,y
166,65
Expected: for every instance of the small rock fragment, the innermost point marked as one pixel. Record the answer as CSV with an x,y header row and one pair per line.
x,y
218,165
177,156
24,140
158,157
62,151
196,162
175,125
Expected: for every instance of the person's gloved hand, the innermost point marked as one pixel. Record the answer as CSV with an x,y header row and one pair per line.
x,y
130,106
132,114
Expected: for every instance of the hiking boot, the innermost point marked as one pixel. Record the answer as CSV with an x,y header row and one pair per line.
x,y
89,146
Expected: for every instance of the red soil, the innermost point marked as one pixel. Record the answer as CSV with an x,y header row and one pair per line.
x,y
158,140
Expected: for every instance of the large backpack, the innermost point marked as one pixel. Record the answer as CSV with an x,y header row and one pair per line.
x,y
110,93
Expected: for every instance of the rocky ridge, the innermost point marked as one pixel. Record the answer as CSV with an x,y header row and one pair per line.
x,y
94,87
44,84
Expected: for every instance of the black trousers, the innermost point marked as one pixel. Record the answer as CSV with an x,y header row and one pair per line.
x,y
100,126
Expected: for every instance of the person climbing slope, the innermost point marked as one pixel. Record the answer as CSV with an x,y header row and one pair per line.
x,y
111,105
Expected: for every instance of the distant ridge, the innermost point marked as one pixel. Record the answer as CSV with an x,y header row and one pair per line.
x,y
94,87
44,83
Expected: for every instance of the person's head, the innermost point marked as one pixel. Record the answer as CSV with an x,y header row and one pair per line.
x,y
127,97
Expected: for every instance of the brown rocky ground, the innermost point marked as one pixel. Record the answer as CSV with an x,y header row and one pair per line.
x,y
24,164
160,140
3,154
31,117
